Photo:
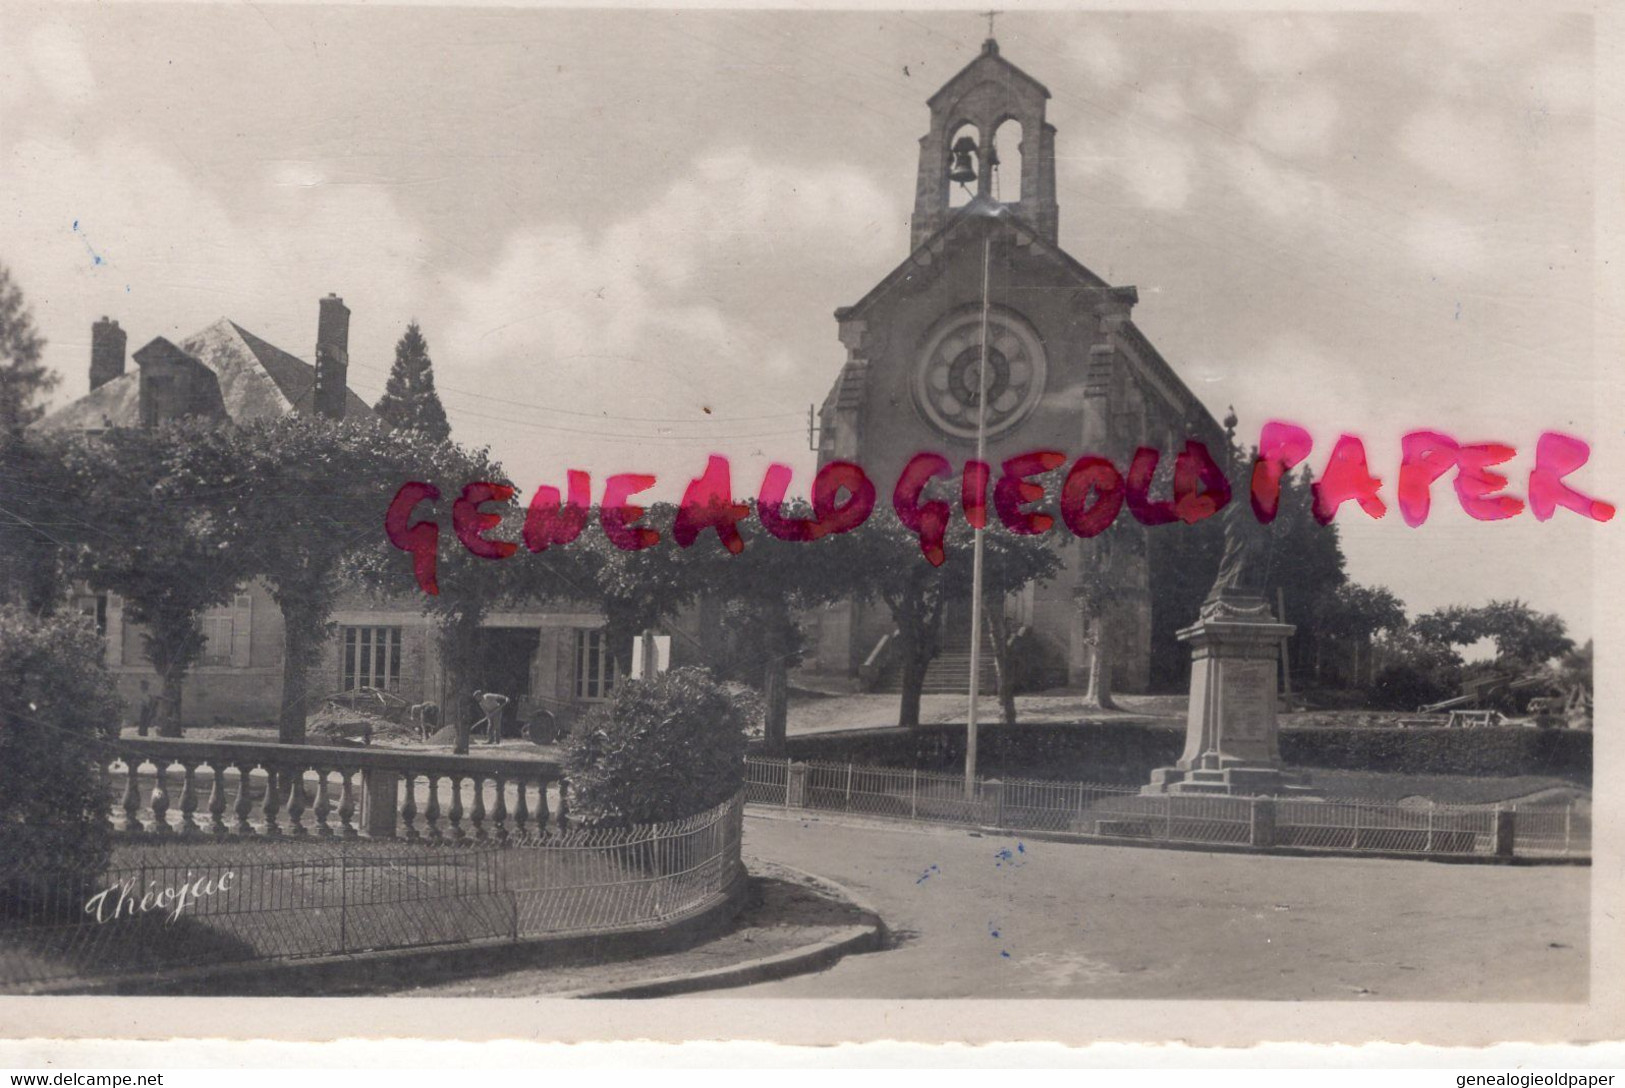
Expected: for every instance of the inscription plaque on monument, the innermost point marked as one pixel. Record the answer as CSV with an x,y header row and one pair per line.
x,y
1249,704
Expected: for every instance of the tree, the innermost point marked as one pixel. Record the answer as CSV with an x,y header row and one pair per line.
x,y
1353,614
1183,561
881,560
1098,587
1523,638
410,402
37,527
763,587
156,531
23,378
1306,568
1009,563
313,493
468,585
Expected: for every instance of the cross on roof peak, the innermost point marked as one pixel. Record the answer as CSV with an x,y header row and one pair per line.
x,y
990,16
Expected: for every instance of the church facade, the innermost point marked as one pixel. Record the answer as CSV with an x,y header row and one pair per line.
x,y
1067,369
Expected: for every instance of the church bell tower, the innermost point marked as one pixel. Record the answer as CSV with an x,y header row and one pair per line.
x,y
1063,368
969,118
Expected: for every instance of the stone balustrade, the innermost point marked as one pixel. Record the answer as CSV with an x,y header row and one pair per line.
x,y
203,789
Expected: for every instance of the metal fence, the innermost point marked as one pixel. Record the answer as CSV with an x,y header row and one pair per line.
x,y
167,906
1123,812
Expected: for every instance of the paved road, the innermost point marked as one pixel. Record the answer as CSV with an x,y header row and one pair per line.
x,y
996,917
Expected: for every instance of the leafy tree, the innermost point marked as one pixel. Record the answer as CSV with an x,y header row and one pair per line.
x,y
660,749
1572,679
469,586
763,587
23,378
57,706
881,560
1306,567
638,590
312,495
1353,614
1523,638
160,536
410,402
1009,563
1183,561
37,527
1414,671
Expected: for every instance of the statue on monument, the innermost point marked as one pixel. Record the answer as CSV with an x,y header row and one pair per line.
x,y
1238,591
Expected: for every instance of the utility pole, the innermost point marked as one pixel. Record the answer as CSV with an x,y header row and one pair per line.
x,y
976,530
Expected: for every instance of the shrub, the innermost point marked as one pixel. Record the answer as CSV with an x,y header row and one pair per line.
x,y
659,750
57,705
1406,687
1490,752
1126,752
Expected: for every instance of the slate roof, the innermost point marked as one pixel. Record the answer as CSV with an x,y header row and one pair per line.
x,y
258,380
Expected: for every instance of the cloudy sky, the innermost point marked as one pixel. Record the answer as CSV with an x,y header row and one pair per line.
x,y
624,233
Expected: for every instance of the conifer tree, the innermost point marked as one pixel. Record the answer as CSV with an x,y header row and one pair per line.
x,y
23,378
409,401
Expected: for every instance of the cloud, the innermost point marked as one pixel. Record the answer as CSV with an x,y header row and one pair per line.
x,y
1099,56
120,229
1468,150
669,311
1157,170
1279,190
58,58
1445,244
1294,121
1281,45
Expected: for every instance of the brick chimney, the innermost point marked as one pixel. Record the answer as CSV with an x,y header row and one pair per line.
x,y
106,352
332,358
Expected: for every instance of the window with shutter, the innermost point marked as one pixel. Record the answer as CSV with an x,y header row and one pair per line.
x,y
216,639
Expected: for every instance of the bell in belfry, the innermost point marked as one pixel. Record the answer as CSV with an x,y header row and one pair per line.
x,y
964,166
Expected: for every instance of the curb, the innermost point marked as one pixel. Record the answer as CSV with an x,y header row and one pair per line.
x,y
868,936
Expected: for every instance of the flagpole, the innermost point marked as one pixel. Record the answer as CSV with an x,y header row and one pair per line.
x,y
976,532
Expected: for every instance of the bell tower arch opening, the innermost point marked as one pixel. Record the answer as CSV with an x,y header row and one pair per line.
x,y
964,165
1009,174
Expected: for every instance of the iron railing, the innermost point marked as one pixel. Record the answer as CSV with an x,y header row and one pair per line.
x,y
174,903
1124,813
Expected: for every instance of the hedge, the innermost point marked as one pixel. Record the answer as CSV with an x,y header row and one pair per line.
x,y
1127,752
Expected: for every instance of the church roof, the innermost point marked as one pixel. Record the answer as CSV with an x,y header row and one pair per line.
x,y
987,65
979,209
257,380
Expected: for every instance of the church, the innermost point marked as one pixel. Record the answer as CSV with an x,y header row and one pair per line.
x,y
1067,369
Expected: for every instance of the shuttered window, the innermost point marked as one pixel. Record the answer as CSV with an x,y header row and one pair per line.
x,y
226,633
217,630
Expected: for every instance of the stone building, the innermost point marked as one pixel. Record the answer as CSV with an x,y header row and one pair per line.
x,y
1067,368
552,659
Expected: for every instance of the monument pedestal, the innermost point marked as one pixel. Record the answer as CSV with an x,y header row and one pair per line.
x,y
1231,737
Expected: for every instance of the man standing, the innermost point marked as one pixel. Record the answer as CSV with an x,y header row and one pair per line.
x,y
492,704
